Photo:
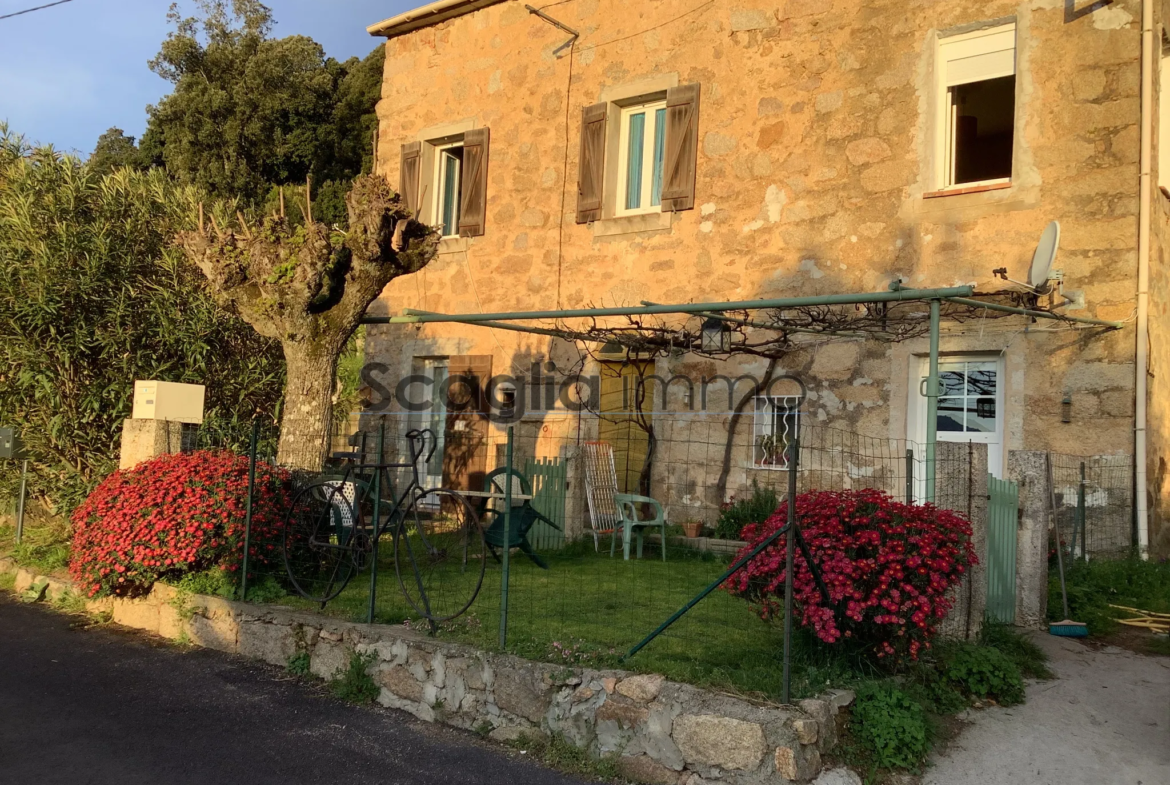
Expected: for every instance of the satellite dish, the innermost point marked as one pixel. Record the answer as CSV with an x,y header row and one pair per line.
x,y
1044,257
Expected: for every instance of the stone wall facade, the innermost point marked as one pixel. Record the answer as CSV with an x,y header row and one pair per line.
x,y
661,732
815,174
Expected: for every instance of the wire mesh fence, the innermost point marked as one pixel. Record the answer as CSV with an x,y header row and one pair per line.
x,y
571,595
1094,504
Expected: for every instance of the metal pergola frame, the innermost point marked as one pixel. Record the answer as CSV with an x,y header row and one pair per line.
x,y
959,295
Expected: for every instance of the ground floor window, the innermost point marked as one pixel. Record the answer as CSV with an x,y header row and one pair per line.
x,y
776,424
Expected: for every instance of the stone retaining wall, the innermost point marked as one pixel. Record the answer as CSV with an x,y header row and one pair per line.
x,y
662,731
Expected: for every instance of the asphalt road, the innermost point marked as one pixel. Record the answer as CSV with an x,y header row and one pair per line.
x,y
95,705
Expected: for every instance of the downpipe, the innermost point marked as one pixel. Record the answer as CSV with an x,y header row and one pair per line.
x,y
1141,357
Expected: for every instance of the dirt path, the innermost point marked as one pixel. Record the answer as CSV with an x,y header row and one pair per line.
x,y
1105,720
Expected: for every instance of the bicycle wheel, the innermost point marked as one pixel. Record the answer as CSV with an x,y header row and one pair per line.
x,y
322,532
439,554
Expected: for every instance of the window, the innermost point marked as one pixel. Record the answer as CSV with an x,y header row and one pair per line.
x,y
777,420
640,156
448,187
967,398
977,102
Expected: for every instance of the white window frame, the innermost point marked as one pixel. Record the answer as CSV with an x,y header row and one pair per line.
x,y
650,109
977,56
439,186
769,409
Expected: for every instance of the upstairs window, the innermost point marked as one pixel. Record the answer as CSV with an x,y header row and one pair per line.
x,y
448,187
977,77
444,182
641,153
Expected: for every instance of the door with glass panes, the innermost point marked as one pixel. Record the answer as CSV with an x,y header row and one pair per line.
x,y
970,405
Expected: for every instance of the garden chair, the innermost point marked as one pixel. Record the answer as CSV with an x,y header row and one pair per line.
x,y
524,515
610,510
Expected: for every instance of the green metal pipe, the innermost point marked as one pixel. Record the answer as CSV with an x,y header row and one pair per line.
x,y
412,316
1035,314
932,401
758,326
507,543
494,325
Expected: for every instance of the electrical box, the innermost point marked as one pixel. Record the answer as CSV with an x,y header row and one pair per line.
x,y
168,401
9,444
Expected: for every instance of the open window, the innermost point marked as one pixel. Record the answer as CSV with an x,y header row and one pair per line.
x,y
640,158
447,187
776,424
444,182
977,107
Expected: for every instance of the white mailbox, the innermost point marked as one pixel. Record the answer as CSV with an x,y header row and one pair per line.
x,y
168,401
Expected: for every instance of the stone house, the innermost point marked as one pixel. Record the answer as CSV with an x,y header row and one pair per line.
x,y
607,153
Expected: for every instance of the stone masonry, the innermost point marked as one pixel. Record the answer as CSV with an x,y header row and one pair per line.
x,y
661,731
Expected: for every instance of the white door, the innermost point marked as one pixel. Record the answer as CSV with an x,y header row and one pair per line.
x,y
970,405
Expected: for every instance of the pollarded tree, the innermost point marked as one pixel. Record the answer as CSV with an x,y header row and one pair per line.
x,y
308,287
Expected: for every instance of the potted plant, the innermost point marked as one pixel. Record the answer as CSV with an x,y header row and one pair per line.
x,y
692,529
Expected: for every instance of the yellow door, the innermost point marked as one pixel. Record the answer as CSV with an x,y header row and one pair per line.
x,y
627,403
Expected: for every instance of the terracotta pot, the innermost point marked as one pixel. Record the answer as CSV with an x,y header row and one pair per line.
x,y
693,529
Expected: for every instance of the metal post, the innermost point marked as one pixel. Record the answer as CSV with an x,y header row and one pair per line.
x,y
20,501
932,402
248,507
374,524
909,476
789,546
507,542
1080,523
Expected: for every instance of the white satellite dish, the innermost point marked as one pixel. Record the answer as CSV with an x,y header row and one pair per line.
x,y
1044,257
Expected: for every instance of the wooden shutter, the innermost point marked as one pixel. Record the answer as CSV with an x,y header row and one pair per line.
x,y
465,442
408,175
682,148
473,200
591,166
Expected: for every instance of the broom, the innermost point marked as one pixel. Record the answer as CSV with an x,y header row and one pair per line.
x,y
1066,628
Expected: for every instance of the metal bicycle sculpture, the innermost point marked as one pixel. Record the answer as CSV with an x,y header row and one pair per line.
x,y
333,528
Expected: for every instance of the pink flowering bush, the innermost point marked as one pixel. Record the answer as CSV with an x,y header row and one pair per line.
x,y
887,566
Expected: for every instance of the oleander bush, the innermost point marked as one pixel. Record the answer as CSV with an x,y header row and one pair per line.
x,y
174,516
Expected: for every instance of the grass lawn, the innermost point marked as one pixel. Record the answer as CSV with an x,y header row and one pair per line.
x,y
589,609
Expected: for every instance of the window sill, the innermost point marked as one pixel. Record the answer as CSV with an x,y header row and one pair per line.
x,y
454,244
632,224
971,189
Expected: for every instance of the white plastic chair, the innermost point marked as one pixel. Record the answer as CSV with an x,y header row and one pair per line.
x,y
610,509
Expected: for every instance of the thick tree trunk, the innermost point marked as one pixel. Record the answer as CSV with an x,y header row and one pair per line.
x,y
306,427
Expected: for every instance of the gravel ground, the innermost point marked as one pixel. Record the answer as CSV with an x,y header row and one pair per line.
x,y
1105,720
96,705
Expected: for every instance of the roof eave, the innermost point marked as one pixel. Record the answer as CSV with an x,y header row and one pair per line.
x,y
427,15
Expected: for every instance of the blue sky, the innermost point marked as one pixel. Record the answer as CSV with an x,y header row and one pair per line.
x,y
70,72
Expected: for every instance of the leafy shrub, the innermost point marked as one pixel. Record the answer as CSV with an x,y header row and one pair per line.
x,y
982,672
353,683
298,664
1028,657
890,725
172,516
887,567
737,514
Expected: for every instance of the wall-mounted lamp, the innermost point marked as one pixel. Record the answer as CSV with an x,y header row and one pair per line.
x,y
716,335
1066,409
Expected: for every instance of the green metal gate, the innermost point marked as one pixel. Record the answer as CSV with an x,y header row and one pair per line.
x,y
548,476
1002,524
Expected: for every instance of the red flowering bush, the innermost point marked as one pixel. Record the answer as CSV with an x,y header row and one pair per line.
x,y
887,567
174,515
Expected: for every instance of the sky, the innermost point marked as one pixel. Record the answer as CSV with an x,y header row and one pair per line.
x,y
69,72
